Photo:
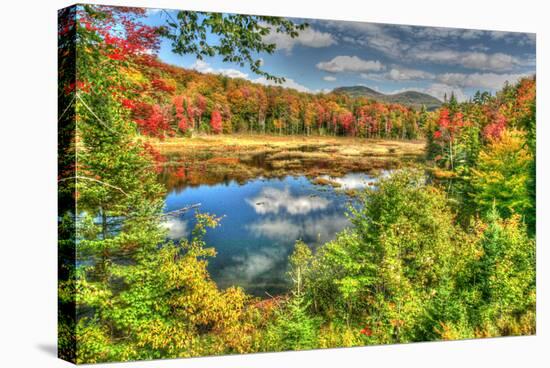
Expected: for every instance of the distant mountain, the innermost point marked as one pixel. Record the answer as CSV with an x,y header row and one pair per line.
x,y
359,91
409,98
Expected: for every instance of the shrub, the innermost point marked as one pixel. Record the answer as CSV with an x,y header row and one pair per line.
x,y
386,271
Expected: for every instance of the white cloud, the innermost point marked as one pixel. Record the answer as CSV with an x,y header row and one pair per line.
x,y
521,39
399,74
308,37
442,35
329,78
288,83
497,35
273,200
469,59
322,90
372,35
360,27
151,11
469,34
203,67
479,80
344,63
437,90
442,32
408,74
434,41
385,43
447,82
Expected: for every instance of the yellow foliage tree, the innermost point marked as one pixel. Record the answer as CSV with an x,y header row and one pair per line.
x,y
502,175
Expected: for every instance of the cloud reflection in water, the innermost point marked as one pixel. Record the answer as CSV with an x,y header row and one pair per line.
x,y
352,181
273,200
177,228
319,229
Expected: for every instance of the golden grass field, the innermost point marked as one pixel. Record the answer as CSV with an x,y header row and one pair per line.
x,y
347,146
215,158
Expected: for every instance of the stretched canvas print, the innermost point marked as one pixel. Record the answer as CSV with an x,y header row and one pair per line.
x,y
234,184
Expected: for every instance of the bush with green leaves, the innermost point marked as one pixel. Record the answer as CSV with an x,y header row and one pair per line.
x,y
395,263
505,276
406,271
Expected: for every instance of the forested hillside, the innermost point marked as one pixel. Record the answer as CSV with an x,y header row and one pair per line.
x,y
166,100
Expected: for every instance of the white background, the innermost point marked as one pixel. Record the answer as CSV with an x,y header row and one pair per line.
x,y
28,181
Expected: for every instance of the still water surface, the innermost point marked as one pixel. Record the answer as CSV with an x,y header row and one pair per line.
x,y
262,220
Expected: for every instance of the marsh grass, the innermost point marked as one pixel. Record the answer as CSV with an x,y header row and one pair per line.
x,y
216,159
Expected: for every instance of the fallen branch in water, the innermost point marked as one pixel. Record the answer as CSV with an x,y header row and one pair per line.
x,y
181,210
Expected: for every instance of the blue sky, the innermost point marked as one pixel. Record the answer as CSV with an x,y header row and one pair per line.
x,y
388,58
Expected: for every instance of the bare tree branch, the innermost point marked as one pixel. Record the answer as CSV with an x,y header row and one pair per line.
x,y
96,180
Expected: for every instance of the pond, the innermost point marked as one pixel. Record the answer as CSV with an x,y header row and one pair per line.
x,y
262,219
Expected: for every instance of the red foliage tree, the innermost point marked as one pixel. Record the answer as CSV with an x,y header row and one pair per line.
x,y
153,120
495,128
346,120
181,118
127,103
216,122
129,38
161,85
449,127
200,106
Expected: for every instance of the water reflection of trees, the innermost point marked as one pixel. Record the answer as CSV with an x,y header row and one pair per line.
x,y
191,169
178,176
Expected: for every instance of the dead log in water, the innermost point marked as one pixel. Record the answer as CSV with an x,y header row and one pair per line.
x,y
181,210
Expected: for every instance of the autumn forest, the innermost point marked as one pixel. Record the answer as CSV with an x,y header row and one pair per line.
x,y
208,211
